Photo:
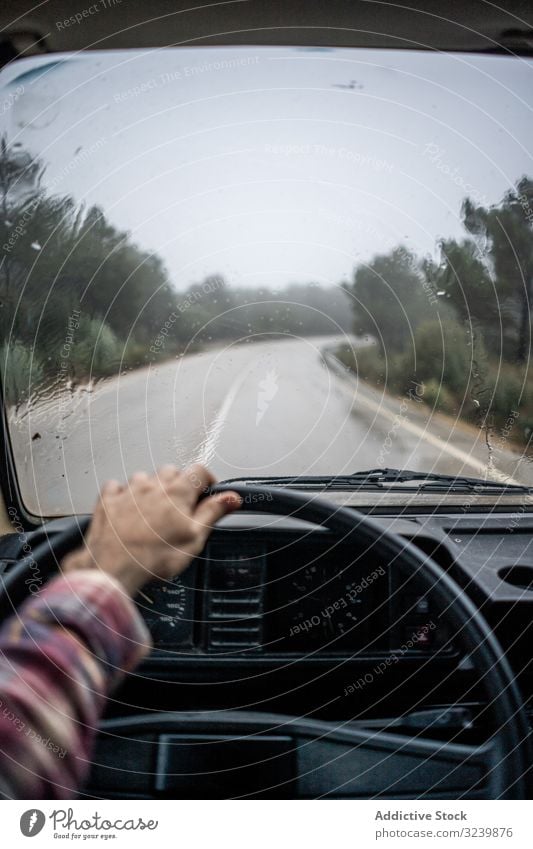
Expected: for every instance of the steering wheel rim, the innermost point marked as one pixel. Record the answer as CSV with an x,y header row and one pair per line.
x,y
510,743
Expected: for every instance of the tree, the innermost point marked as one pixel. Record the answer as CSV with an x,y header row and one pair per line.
x,y
507,230
389,300
57,257
465,280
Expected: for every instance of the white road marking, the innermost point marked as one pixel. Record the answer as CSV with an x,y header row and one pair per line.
x,y
208,448
428,437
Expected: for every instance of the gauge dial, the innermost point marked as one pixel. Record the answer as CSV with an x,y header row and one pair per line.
x,y
318,608
323,608
167,607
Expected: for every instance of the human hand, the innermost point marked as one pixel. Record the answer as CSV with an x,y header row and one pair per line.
x,y
151,527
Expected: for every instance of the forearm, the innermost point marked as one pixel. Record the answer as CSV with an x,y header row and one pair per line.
x,y
59,659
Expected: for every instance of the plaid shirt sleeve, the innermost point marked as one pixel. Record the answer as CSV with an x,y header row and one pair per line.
x,y
60,656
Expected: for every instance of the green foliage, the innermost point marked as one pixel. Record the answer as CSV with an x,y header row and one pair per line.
x,y
443,353
438,397
458,376
507,232
506,390
370,365
472,355
96,351
21,370
60,259
366,362
389,299
57,258
466,281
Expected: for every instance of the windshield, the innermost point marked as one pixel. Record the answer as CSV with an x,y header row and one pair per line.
x,y
276,261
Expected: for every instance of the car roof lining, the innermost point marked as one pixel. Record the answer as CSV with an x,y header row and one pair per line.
x,y
478,25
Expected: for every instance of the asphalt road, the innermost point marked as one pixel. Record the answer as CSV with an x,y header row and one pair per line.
x,y
269,408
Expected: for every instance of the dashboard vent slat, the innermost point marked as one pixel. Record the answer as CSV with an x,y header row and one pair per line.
x,y
234,603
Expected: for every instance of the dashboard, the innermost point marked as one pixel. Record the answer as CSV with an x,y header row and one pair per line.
x,y
278,615
274,598
288,619
280,619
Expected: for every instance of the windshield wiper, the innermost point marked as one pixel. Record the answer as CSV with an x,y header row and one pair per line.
x,y
383,478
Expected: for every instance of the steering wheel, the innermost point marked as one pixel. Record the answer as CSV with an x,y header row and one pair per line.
x,y
259,754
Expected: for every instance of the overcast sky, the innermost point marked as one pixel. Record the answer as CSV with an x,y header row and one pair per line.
x,y
274,165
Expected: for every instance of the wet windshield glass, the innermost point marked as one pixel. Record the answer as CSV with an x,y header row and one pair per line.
x,y
275,261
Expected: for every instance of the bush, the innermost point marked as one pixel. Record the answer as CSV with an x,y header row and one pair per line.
x,y
96,350
456,381
365,362
443,354
22,372
369,364
504,388
438,397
